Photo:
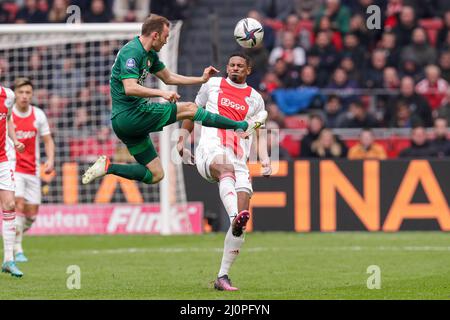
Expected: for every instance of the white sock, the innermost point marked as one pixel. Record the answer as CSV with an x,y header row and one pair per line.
x,y
20,223
231,250
9,234
228,194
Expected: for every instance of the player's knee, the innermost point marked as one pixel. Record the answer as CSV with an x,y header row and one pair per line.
x,y
191,109
158,176
227,169
9,205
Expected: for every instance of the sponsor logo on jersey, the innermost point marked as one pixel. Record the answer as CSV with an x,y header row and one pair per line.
x,y
228,103
131,63
20,134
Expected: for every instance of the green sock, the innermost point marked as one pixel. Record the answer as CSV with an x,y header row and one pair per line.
x,y
134,171
209,119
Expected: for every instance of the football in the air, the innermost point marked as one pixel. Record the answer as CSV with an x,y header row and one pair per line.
x,y
248,32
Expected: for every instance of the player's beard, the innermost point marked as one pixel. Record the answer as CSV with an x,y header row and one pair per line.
x,y
234,78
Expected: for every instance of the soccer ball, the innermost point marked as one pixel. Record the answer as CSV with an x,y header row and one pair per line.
x,y
248,32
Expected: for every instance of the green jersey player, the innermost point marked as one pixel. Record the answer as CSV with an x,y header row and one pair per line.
x,y
134,117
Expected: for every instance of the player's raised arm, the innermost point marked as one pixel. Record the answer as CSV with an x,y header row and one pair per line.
x,y
171,78
133,88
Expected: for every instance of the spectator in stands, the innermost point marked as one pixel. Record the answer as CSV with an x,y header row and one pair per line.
x,y
358,27
67,79
367,148
58,11
343,86
8,11
338,14
417,104
442,34
131,10
441,141
270,82
444,65
420,147
259,57
353,73
328,58
391,80
275,114
326,146
274,147
289,51
334,114
404,29
315,126
444,110
393,10
31,13
306,9
358,117
171,9
334,35
388,43
353,49
433,88
97,13
374,74
275,9
289,76
269,32
443,6
404,117
419,49
410,68
36,71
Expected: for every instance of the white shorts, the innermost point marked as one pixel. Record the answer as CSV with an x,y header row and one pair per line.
x,y
28,186
6,176
204,156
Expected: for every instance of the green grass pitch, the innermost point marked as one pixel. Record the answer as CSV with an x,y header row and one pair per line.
x,y
414,265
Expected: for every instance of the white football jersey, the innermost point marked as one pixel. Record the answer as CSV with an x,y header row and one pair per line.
x,y
234,101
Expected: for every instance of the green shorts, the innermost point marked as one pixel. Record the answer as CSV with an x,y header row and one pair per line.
x,y
134,126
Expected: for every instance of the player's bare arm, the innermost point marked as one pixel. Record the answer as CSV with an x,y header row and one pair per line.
x,y
49,146
20,147
171,78
186,128
133,88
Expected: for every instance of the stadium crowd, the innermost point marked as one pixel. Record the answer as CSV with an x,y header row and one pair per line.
x,y
319,68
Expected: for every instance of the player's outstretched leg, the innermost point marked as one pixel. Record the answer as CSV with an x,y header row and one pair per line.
x,y
189,110
135,171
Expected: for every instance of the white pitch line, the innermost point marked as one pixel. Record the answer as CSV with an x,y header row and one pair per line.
x,y
261,249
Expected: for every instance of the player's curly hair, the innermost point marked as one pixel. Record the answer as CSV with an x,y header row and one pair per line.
x,y
246,57
154,23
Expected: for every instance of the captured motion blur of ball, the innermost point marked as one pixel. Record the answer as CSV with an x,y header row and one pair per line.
x,y
248,32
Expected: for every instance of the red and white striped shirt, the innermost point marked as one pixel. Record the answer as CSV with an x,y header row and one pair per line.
x,y
6,103
234,101
29,126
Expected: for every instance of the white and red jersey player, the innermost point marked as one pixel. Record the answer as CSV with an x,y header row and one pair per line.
x,y
29,127
6,171
236,101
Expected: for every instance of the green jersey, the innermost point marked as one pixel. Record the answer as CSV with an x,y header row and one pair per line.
x,y
132,61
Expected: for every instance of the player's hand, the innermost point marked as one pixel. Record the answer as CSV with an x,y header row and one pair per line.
x,y
185,154
208,72
171,96
48,167
266,168
19,146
